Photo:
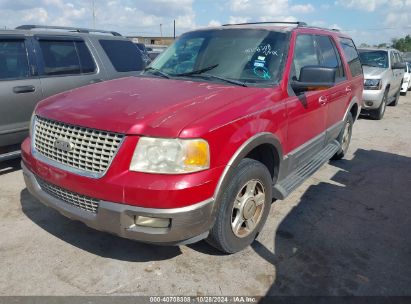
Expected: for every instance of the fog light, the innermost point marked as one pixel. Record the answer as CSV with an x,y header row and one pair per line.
x,y
154,222
369,103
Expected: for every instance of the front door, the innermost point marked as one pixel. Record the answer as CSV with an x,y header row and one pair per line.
x,y
20,90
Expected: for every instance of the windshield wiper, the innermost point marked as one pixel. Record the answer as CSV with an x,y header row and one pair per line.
x,y
197,72
157,72
228,80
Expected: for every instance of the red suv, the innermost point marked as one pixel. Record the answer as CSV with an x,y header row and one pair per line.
x,y
199,145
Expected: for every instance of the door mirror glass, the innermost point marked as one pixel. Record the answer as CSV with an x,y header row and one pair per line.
x,y
313,78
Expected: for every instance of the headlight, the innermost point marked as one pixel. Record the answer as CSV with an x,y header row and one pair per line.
x,y
170,156
372,84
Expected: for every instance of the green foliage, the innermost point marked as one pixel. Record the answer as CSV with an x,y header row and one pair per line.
x,y
402,44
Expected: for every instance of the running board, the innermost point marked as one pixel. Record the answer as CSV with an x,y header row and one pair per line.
x,y
9,155
282,189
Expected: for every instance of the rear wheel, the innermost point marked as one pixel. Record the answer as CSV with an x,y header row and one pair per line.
x,y
345,137
245,204
378,114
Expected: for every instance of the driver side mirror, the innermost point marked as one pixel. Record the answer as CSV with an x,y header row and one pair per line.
x,y
313,78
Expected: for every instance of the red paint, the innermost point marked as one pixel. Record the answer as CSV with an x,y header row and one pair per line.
x,y
225,115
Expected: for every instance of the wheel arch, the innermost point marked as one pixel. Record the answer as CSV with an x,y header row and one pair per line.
x,y
253,147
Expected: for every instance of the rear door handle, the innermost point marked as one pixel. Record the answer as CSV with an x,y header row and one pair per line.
x,y
322,100
348,89
24,89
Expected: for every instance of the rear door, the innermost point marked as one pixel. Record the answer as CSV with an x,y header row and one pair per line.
x,y
66,62
19,88
338,96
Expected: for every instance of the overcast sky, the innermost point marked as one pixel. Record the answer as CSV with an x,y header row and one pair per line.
x,y
370,21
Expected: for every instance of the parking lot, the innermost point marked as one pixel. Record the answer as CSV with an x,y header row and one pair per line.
x,y
346,231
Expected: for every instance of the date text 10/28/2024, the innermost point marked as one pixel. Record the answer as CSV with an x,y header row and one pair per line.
x,y
203,299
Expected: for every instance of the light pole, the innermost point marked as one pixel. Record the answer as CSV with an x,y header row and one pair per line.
x,y
94,14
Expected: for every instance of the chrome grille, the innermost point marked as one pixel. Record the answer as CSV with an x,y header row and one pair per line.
x,y
91,150
78,200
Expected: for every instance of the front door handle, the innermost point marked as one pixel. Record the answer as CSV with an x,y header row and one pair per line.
x,y
348,90
322,100
24,89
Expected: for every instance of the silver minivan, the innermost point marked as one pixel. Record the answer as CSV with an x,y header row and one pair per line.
x,y
39,61
383,76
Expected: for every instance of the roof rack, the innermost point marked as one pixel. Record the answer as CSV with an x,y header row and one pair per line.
x,y
67,28
298,23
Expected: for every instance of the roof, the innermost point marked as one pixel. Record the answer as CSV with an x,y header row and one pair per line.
x,y
30,30
275,26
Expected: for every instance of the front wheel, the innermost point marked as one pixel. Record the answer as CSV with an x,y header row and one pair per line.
x,y
244,207
379,113
345,137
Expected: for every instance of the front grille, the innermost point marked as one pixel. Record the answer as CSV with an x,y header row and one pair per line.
x,y
78,200
90,150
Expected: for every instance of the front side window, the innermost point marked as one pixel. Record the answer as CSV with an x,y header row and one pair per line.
x,y
305,54
123,54
352,57
66,57
250,56
374,58
13,60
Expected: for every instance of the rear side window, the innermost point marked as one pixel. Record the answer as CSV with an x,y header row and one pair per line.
x,y
124,55
305,54
351,54
13,60
329,56
66,57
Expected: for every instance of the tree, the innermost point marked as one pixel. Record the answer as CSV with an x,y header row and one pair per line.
x,y
402,44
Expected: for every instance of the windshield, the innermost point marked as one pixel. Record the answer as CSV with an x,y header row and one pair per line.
x,y
252,56
376,58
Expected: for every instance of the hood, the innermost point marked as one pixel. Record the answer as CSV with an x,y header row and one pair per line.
x,y
140,105
373,72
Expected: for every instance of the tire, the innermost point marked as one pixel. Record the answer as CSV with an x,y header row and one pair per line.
x,y
345,137
378,114
394,103
239,218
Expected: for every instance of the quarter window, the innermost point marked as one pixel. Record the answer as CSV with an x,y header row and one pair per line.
x,y
66,57
351,55
13,60
124,55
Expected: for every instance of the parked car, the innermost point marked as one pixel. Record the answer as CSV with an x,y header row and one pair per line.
x,y
383,73
198,148
154,50
406,83
40,61
143,50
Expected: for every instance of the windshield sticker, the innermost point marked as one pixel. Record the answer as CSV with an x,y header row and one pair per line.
x,y
262,72
259,63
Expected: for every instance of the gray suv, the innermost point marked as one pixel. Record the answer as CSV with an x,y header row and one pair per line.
x,y
40,61
383,76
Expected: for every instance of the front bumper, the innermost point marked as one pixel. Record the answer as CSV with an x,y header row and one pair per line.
x,y
372,99
188,224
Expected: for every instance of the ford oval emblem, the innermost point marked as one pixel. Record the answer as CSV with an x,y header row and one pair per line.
x,y
63,144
